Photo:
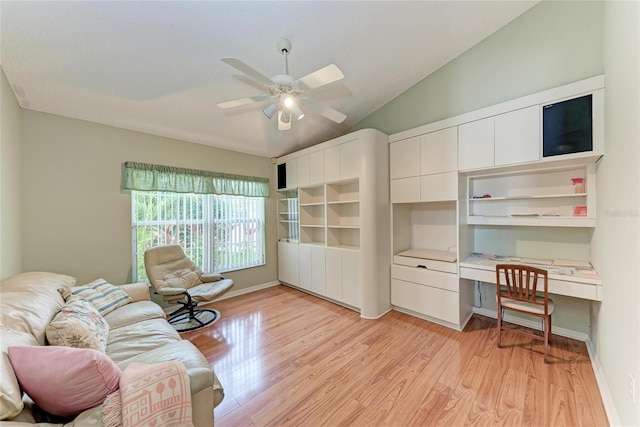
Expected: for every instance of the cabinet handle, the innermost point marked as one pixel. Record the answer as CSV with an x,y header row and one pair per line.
x,y
422,266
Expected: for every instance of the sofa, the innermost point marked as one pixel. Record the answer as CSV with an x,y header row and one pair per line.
x,y
137,332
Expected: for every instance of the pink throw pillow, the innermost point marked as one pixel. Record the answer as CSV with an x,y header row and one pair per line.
x,y
64,381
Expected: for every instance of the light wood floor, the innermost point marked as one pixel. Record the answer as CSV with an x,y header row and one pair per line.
x,y
288,358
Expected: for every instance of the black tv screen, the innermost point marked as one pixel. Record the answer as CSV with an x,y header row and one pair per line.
x,y
567,127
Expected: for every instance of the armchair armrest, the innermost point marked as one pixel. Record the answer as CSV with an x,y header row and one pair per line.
x,y
210,277
168,291
137,291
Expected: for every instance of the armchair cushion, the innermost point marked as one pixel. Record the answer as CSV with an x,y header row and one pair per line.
x,y
78,324
103,295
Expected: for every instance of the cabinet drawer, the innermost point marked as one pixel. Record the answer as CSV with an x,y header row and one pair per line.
x,y
405,190
426,277
432,302
438,187
431,264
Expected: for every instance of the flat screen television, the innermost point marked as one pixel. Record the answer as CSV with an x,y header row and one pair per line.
x,y
567,127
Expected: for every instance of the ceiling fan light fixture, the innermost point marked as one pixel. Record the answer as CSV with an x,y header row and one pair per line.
x,y
270,110
297,112
289,102
284,125
285,116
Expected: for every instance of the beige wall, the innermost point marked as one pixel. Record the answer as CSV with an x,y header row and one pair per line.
x,y
616,241
10,182
77,220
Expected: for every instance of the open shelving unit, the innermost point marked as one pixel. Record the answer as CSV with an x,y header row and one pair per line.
x,y
546,197
343,214
330,214
288,216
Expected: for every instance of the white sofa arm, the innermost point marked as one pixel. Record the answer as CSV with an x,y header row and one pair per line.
x,y
137,291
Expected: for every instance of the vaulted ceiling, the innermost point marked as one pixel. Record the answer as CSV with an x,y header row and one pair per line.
x,y
155,66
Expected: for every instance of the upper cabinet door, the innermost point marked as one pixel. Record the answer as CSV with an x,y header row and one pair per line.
x,y
292,173
303,171
517,136
350,159
439,151
332,164
404,158
316,168
476,144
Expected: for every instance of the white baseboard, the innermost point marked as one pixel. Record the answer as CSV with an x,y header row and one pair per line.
x,y
376,317
248,290
605,393
569,333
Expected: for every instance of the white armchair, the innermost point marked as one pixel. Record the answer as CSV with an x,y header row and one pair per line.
x,y
174,276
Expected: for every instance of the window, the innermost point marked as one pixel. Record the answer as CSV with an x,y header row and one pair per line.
x,y
218,232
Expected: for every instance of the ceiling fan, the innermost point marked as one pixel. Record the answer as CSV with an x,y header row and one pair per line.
x,y
285,94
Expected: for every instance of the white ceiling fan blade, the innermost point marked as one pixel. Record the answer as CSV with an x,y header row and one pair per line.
x,y
242,101
323,110
329,74
244,68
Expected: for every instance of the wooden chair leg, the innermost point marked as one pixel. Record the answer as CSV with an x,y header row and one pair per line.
x,y
546,339
549,329
499,326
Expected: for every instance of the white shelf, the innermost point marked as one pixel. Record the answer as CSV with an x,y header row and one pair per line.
x,y
341,202
348,247
548,221
312,204
312,225
549,196
540,197
288,220
344,226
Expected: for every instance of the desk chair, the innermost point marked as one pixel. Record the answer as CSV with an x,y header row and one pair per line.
x,y
179,280
521,284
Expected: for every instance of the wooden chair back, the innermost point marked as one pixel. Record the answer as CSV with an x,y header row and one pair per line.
x,y
521,282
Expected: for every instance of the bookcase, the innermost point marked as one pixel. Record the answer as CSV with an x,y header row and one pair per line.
x,y
342,254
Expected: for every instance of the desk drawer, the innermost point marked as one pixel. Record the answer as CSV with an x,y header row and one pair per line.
x,y
558,287
421,276
438,303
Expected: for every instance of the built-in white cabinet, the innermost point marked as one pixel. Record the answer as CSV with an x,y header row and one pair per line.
x,y
404,158
439,151
504,139
476,144
316,167
312,268
288,267
303,171
342,208
342,161
424,168
424,272
517,136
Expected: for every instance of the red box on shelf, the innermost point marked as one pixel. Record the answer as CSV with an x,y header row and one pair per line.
x,y
579,211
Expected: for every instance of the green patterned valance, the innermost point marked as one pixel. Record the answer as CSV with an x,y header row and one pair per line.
x,y
148,177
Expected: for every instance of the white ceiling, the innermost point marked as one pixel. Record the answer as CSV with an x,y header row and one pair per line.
x,y
155,66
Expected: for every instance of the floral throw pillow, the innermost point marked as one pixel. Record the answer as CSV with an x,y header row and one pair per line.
x,y
78,324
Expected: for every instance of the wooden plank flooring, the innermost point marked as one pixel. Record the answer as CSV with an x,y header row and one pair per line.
x,y
286,358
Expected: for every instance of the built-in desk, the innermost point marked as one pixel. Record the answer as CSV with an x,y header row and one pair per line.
x,y
570,281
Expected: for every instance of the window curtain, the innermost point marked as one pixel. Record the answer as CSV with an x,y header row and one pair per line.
x,y
149,177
